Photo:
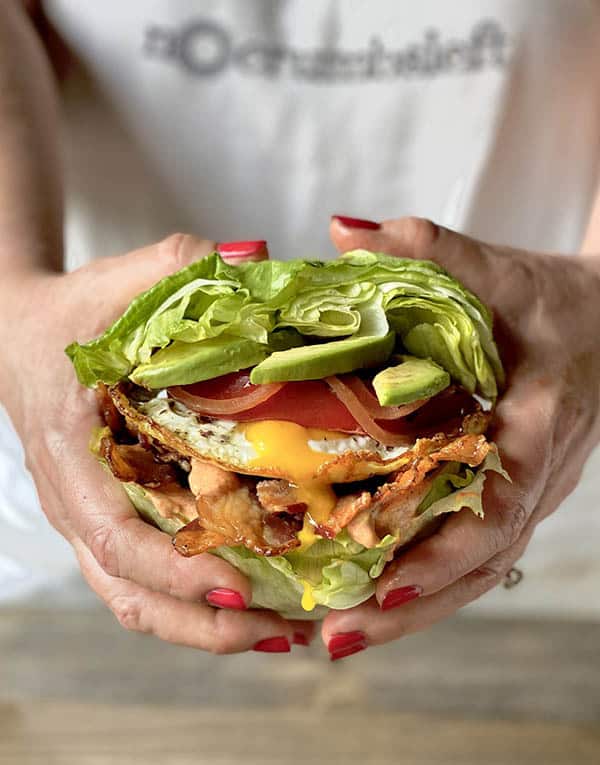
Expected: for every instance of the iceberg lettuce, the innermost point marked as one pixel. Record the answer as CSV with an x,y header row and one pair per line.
x,y
211,303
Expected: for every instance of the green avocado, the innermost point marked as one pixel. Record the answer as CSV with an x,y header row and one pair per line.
x,y
186,363
411,380
313,362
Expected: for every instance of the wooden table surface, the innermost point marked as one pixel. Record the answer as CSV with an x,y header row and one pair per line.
x,y
75,689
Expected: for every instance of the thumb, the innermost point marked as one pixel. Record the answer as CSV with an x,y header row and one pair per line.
x,y
466,259
123,276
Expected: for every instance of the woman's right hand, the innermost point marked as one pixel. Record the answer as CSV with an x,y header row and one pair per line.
x,y
130,565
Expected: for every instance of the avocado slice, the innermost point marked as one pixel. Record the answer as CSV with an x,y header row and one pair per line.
x,y
186,363
411,380
313,362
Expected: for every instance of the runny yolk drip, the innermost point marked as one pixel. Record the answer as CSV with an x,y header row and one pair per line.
x,y
308,601
283,447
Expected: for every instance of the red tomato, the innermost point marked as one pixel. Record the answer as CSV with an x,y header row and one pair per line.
x,y
309,403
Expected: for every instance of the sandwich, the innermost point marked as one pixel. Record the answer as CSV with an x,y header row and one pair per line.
x,y
304,420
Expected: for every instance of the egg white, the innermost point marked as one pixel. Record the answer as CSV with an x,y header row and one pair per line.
x,y
225,440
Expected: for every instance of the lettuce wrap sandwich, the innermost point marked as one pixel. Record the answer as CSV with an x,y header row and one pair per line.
x,y
303,420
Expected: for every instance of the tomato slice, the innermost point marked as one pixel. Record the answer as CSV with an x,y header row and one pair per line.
x,y
309,403
312,404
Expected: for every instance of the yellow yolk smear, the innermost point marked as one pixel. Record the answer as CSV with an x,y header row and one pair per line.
x,y
283,446
308,601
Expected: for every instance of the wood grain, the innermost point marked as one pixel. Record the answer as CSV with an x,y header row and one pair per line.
x,y
75,689
76,734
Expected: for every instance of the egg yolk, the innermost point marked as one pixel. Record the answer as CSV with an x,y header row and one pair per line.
x,y
283,447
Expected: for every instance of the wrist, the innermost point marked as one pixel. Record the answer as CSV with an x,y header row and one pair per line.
x,y
23,315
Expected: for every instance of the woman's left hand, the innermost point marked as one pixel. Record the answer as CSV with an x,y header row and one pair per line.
x,y
547,314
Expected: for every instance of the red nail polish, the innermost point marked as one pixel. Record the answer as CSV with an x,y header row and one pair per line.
x,y
345,644
225,598
273,645
356,222
337,655
400,595
300,639
242,252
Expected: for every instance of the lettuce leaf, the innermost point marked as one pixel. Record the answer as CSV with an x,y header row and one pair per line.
x,y
432,315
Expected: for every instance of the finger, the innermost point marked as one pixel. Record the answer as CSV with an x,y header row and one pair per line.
x,y
236,253
404,237
190,624
367,625
473,263
121,277
523,434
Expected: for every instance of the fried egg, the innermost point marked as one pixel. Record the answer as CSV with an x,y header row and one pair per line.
x,y
275,448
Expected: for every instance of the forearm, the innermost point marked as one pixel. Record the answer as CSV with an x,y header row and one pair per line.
x,y
31,200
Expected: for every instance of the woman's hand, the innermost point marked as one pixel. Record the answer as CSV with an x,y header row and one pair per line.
x,y
131,565
547,313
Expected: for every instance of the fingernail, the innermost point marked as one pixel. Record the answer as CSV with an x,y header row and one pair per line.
x,y
356,222
345,644
273,645
225,598
242,252
300,639
400,595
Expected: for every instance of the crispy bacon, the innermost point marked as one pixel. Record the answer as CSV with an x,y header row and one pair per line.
x,y
108,411
391,510
229,512
133,463
240,519
394,504
346,509
279,497
194,539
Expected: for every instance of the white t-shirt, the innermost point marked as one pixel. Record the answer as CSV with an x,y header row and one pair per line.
x,y
251,119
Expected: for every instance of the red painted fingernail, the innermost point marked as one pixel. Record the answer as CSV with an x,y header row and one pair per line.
x,y
356,222
273,645
225,598
345,644
242,252
300,639
400,595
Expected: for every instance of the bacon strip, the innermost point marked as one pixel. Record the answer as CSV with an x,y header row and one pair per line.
x,y
230,513
394,505
279,497
108,411
391,509
133,463
346,509
194,539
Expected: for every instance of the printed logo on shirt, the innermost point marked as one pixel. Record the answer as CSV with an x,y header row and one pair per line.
x,y
203,48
